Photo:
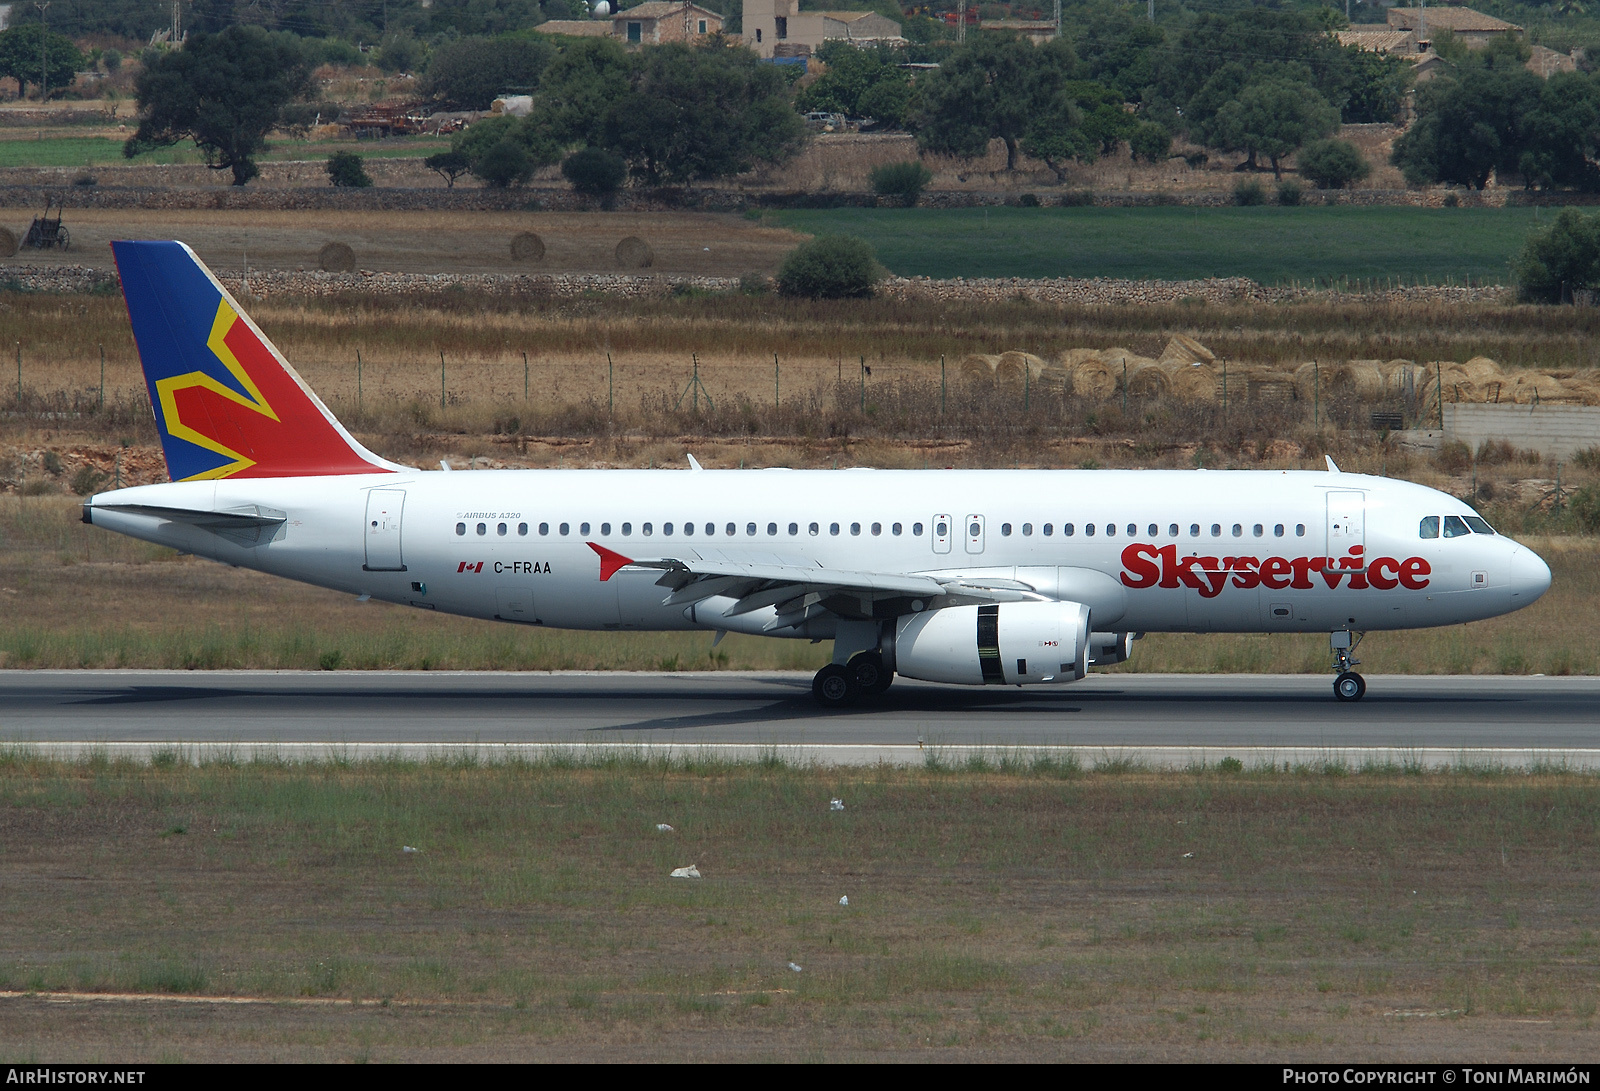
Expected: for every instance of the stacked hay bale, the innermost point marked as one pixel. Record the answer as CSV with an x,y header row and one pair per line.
x,y
977,369
1091,375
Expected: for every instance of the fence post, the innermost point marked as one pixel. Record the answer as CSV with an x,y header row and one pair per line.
x,y
1558,488
774,380
1124,386
441,378
102,378
1438,390
863,384
941,384
524,376
1224,388
358,380
1026,384
611,400
1316,394
19,376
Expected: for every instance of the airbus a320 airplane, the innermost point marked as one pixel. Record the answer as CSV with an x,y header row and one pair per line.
x,y
972,577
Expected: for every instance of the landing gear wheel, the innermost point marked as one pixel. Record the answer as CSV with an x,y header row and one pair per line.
x,y
1349,686
834,686
871,676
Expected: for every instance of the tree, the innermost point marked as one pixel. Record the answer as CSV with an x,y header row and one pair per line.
x,y
21,57
576,93
1333,164
1563,257
448,165
1470,124
595,171
346,170
905,180
860,83
1561,135
996,88
1150,141
696,113
830,267
1273,119
505,164
223,91
470,73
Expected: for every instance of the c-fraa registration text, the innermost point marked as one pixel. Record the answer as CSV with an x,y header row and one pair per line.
x,y
1436,1076
74,1075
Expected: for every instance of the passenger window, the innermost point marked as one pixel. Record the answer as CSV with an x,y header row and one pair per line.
x,y
1067,530
750,529
646,530
1429,527
895,530
711,530
916,529
855,528
1005,530
1259,530
732,530
1478,524
1299,530
1027,530
1238,530
1172,530
688,530
1154,530
482,530
772,530
500,529
1088,530
833,528
1455,527
522,530
813,529
583,528
627,528
1111,530
566,528
1194,530
794,528
605,530
1216,530
1048,530
1277,531
544,528
461,528
877,529
666,529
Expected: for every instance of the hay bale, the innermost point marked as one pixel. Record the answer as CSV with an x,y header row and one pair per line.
x,y
1073,357
1196,382
1092,378
1308,376
1535,388
526,246
1186,350
336,257
1148,378
1361,378
1482,370
1014,368
1457,387
634,253
8,242
977,368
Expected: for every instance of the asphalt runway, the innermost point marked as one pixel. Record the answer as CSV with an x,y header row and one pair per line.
x,y
775,709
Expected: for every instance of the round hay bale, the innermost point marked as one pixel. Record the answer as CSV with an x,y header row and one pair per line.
x,y
1147,378
8,242
1457,387
1533,388
1481,369
1053,377
1362,378
1186,350
1009,369
1073,357
1092,378
526,246
1583,389
634,253
1197,382
336,257
1306,378
977,369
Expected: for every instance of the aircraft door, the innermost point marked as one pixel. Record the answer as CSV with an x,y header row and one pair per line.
x,y
1347,522
942,530
973,526
384,510
515,604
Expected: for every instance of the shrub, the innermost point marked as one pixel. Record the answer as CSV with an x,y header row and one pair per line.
x,y
830,267
1333,164
1077,198
1453,457
1495,452
1289,193
1451,200
1563,257
594,171
1150,141
905,180
505,164
347,169
1028,200
87,480
111,60
1585,508
755,284
448,165
1587,459
1249,193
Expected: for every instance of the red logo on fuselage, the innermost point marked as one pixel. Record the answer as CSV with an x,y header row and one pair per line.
x,y
1160,566
469,566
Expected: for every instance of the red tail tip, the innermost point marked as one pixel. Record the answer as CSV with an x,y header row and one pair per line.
x,y
610,561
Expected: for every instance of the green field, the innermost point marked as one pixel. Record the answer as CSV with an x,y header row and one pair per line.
x,y
83,151
1267,244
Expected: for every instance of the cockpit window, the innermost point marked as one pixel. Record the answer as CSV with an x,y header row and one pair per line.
x,y
1455,526
1429,527
1478,524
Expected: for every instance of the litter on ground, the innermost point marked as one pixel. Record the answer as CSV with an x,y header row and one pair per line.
x,y
845,900
835,804
663,827
690,872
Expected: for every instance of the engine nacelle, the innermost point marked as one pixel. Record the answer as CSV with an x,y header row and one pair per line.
x,y
1012,643
1108,648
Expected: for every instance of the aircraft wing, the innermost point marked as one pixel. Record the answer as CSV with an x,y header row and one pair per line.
x,y
794,586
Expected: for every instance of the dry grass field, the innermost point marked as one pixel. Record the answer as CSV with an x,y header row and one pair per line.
x,y
271,912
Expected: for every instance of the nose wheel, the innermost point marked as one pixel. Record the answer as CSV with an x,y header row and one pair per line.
x,y
1349,686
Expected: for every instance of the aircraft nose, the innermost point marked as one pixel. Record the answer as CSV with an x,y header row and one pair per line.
x,y
1530,576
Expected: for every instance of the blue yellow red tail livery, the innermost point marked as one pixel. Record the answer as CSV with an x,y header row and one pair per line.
x,y
226,401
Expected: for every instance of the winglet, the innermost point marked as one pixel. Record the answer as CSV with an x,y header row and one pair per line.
x,y
1332,469
694,464
610,561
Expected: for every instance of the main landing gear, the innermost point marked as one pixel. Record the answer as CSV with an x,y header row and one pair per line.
x,y
1347,684
838,685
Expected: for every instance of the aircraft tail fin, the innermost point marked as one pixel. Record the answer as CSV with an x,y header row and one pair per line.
x,y
227,404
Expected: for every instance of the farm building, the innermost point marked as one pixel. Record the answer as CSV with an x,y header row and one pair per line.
x,y
650,23
1473,28
780,28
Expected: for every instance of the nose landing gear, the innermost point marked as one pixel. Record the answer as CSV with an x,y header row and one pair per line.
x,y
1347,684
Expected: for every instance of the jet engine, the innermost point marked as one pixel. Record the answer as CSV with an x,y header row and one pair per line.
x,y
1108,648
1011,643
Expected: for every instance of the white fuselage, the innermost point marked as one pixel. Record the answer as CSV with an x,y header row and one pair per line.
x,y
1147,551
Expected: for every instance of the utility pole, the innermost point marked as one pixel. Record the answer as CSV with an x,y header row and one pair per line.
x,y
44,31
1150,10
1058,18
961,22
